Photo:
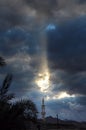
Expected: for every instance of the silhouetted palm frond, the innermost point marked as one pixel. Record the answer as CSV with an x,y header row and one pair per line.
x,y
6,98
2,61
4,89
6,84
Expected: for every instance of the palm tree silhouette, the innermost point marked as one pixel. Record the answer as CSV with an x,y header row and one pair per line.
x,y
14,114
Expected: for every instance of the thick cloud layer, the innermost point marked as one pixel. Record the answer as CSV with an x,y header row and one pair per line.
x,y
21,52
67,46
66,51
31,14
82,1
43,6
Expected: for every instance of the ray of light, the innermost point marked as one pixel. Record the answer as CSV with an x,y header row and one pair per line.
x,y
43,76
43,81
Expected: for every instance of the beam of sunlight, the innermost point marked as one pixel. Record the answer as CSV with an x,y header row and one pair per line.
x,y
43,81
43,76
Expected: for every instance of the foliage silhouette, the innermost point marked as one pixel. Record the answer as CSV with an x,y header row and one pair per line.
x,y
4,96
2,61
14,114
25,108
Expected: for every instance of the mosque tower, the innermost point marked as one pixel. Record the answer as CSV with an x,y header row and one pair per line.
x,y
43,113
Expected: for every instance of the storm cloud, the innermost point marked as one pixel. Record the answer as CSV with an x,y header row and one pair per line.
x,y
66,51
33,14
67,46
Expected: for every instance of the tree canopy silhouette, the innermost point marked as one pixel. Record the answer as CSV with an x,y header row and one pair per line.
x,y
4,96
14,114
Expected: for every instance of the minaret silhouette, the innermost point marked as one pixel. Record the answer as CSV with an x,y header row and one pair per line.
x,y
43,113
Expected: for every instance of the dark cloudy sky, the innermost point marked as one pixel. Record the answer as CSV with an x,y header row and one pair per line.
x,y
44,45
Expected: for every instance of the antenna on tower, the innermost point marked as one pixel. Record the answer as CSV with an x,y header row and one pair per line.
x,y
43,113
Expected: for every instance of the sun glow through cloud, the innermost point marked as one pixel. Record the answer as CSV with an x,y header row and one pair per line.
x,y
43,77
43,81
64,95
59,96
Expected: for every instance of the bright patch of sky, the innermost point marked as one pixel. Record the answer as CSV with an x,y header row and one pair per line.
x,y
50,27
